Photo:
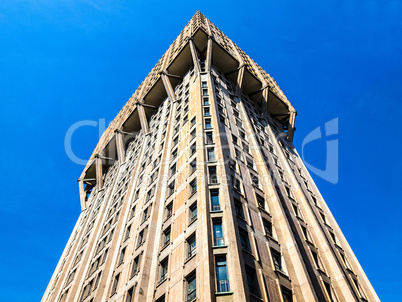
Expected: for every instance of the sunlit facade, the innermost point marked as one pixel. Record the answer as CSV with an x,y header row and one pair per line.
x,y
195,192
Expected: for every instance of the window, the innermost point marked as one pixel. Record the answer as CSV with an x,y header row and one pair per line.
x,y
193,148
329,291
242,135
205,101
135,267
166,237
208,124
315,257
174,154
222,278
260,201
204,92
207,111
276,258
238,154
222,119
64,296
150,193
71,276
87,290
193,166
98,277
239,208
168,210
185,118
234,139
94,266
193,135
121,258
236,184
213,178
175,140
218,233
193,186
332,236
191,244
141,238
145,215
244,240
130,295
286,295
164,270
304,230
191,288
204,85
255,180
236,113
323,217
215,206
172,170
210,154
104,256
209,138
267,227
171,188
161,299
252,281
250,163
193,122
115,284
193,212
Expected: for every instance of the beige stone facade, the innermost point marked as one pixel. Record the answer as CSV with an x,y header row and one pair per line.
x,y
196,193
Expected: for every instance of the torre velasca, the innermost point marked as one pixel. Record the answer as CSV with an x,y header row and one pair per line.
x,y
195,192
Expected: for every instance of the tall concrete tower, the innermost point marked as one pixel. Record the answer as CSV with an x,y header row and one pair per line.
x,y
195,192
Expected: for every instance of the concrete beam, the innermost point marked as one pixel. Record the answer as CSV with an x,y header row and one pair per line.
x,y
208,61
239,81
194,55
120,147
82,194
291,126
143,118
168,87
99,172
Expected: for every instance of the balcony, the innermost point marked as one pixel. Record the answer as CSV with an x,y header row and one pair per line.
x,y
219,241
223,286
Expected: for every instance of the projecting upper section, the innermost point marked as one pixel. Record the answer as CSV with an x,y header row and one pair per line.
x,y
176,62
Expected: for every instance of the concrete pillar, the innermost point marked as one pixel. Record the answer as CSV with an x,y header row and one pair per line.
x,y
120,146
291,126
99,172
194,56
208,62
82,194
168,87
239,81
143,118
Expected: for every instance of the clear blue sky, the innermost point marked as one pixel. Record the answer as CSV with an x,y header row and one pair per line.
x,y
76,60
